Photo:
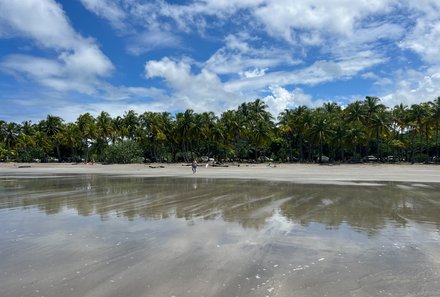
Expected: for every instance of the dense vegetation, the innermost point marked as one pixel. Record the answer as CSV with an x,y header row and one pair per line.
x,y
249,133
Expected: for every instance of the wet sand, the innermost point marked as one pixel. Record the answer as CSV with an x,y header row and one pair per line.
x,y
132,230
299,173
109,236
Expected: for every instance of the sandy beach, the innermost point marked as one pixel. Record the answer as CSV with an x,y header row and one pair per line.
x,y
342,230
300,173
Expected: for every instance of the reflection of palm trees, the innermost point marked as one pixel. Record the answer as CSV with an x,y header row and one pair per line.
x,y
250,203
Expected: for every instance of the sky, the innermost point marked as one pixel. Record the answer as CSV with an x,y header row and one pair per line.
x,y
69,57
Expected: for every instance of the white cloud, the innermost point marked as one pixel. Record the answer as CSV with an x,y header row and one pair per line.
x,y
318,72
425,40
142,43
238,56
41,20
311,42
79,63
206,91
306,19
201,92
282,99
256,72
108,10
412,86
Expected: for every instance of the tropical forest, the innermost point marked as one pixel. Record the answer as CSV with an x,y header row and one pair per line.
x,y
364,130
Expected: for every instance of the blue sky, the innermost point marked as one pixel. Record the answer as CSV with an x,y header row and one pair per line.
x,y
68,57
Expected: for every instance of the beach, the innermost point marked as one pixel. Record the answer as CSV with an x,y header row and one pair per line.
x,y
298,173
250,230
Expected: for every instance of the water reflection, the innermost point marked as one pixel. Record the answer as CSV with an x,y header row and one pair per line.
x,y
105,236
366,208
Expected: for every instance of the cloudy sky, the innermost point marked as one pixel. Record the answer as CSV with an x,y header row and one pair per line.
x,y
68,57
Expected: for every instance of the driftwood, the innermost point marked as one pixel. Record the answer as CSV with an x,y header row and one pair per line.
x,y
219,165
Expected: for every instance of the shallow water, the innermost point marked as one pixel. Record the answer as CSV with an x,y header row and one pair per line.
x,y
90,235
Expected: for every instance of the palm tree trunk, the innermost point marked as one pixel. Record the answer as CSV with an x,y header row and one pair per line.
x,y
58,153
436,141
412,146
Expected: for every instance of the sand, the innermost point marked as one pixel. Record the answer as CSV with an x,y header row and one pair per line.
x,y
300,173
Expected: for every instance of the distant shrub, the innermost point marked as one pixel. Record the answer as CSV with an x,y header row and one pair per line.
x,y
30,154
126,152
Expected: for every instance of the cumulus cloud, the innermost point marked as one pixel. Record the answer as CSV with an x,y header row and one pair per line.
x,y
413,87
200,91
79,62
205,91
425,39
43,21
319,72
307,19
256,48
281,99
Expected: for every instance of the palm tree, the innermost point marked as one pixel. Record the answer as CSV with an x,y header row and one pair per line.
x,y
259,124
28,128
72,138
400,120
204,126
104,132
372,107
87,128
355,135
130,124
53,126
120,130
333,113
261,136
295,123
104,126
233,130
355,115
321,129
184,126
380,124
338,136
286,129
11,132
169,131
355,112
152,123
418,115
435,107
304,125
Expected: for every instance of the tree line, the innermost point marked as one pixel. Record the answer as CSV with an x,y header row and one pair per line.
x,y
248,133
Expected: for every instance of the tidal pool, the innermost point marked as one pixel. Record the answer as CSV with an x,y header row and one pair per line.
x,y
94,235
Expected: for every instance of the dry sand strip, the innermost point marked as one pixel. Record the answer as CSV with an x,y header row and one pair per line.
x,y
300,173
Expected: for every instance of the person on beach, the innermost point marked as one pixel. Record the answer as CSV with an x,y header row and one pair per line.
x,y
194,166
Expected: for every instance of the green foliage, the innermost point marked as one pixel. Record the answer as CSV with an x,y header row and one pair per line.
x,y
125,152
249,132
30,154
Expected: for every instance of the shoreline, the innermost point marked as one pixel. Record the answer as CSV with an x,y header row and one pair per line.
x,y
298,173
